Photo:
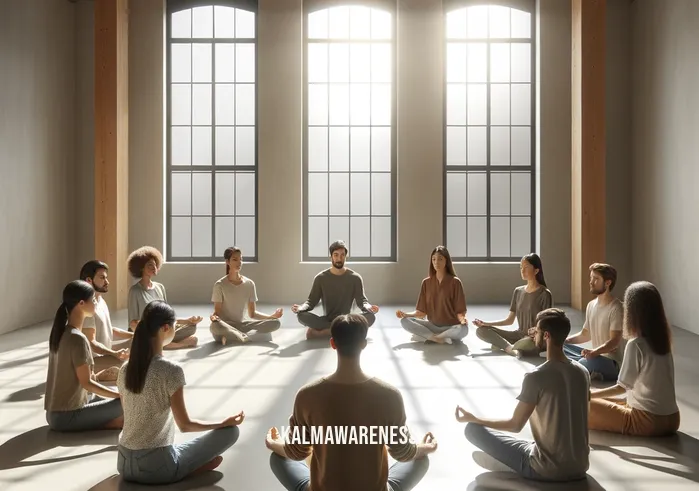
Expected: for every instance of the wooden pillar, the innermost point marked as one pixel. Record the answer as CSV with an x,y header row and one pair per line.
x,y
588,143
111,144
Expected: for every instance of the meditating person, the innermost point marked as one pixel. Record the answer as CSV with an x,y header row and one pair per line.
x,y
352,401
338,288
647,375
554,399
144,264
70,379
106,351
527,301
440,313
604,318
152,391
234,296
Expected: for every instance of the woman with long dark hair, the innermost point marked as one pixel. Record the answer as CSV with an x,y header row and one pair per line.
x,y
527,301
647,374
235,316
70,378
152,391
440,313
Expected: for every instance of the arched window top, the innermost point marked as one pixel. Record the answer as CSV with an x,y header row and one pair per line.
x,y
220,19
311,6
524,5
350,23
488,21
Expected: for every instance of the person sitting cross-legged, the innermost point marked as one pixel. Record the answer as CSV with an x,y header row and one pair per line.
x,y
554,399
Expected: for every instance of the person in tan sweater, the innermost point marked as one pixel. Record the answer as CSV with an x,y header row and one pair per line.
x,y
348,423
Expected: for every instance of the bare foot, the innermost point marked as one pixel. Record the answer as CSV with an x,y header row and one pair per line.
x,y
241,336
223,340
189,342
209,466
437,339
108,375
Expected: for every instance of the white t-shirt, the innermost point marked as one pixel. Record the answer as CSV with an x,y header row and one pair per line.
x,y
235,298
601,320
561,392
101,323
648,378
148,420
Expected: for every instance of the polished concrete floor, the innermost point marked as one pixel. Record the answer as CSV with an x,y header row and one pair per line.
x,y
262,379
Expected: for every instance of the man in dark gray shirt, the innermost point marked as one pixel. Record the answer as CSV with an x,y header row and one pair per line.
x,y
338,288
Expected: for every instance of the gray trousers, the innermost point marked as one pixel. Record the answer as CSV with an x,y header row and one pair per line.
x,y
231,330
165,465
320,323
514,453
184,330
502,339
425,329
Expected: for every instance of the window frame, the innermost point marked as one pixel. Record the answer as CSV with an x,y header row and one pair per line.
x,y
528,6
171,7
390,7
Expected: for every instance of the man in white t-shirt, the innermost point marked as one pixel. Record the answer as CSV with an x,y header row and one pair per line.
x,y
555,400
106,352
604,319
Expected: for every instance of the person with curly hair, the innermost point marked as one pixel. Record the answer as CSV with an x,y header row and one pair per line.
x,y
144,263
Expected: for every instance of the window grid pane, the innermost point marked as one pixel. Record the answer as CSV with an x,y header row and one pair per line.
x,y
489,133
349,161
212,136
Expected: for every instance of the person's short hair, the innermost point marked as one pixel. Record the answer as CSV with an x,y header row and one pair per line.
x,y
138,259
337,245
555,322
349,332
606,271
90,268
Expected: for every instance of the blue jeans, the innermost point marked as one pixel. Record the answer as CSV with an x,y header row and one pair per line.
x,y
296,476
92,416
164,465
512,452
606,367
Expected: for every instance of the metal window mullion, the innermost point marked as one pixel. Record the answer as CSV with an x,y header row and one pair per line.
x,y
327,174
191,139
371,159
213,149
487,150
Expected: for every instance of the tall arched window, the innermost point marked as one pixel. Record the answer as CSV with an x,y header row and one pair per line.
x,y
211,128
349,151
489,130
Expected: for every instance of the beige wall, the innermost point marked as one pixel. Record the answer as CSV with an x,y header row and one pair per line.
x,y
280,275
665,172
38,188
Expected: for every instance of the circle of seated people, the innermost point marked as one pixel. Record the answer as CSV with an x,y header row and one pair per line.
x,y
631,345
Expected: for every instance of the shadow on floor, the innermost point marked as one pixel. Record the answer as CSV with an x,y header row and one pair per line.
x,y
205,481
298,348
29,394
676,455
15,363
504,481
15,451
209,349
434,354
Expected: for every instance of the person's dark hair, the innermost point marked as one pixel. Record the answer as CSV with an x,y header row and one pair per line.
x,y
349,331
228,253
644,316
442,251
137,260
75,292
535,261
555,322
606,271
338,244
156,314
90,268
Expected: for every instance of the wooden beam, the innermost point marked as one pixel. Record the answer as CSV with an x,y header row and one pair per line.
x,y
112,144
589,145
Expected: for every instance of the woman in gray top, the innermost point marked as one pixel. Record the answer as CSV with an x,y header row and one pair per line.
x,y
527,301
70,380
144,264
152,391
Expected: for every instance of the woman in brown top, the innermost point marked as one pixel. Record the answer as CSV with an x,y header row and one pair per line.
x,y
71,380
527,301
440,314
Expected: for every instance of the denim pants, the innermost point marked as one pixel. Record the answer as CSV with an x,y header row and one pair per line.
x,y
92,416
606,367
296,476
512,452
164,465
